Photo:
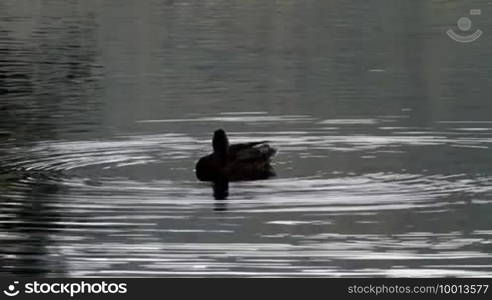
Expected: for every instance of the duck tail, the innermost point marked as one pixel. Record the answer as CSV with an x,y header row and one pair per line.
x,y
266,151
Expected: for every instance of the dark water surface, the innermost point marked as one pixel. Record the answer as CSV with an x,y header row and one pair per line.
x,y
382,122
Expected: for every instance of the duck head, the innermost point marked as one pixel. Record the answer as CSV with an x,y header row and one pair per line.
x,y
220,142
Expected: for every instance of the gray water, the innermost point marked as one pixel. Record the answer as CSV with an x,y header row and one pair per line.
x,y
382,124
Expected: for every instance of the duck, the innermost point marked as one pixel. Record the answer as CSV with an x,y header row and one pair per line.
x,y
235,162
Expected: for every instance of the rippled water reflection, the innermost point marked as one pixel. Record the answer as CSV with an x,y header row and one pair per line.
x,y
383,166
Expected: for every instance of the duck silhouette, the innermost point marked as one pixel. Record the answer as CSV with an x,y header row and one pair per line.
x,y
247,161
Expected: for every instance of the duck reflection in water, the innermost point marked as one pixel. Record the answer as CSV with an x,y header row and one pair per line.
x,y
234,162
221,191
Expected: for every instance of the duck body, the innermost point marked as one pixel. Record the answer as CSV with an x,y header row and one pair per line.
x,y
247,161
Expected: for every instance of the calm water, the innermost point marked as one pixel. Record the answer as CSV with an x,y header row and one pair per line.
x,y
382,122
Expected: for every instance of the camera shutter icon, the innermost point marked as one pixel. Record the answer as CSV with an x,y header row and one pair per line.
x,y
11,291
465,24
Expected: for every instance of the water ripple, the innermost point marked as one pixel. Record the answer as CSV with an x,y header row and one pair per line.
x,y
85,202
